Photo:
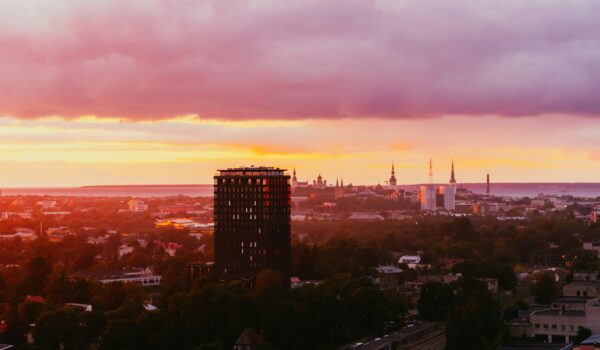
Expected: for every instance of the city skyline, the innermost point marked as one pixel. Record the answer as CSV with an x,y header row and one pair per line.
x,y
156,93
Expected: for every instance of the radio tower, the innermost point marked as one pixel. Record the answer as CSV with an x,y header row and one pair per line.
x,y
430,172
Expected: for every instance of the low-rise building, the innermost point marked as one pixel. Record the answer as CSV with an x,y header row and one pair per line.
x,y
22,236
47,204
560,321
592,246
411,260
137,205
365,216
388,277
582,289
145,277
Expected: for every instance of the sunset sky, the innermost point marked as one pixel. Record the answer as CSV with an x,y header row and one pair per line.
x,y
149,91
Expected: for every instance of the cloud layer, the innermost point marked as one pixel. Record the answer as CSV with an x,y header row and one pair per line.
x,y
273,59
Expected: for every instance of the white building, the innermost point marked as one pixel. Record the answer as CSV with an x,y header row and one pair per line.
x,y
365,216
450,192
427,197
560,321
137,205
145,277
47,203
411,260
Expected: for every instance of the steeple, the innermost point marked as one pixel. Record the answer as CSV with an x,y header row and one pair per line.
x,y
392,180
452,179
294,179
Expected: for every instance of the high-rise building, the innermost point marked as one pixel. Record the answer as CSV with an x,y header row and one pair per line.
x,y
427,197
252,222
339,191
428,192
450,192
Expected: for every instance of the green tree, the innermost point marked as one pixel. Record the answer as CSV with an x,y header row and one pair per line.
x,y
93,323
30,311
59,287
475,321
544,288
215,345
434,303
36,273
269,282
582,334
59,328
122,335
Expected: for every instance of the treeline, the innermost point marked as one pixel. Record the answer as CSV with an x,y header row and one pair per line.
x,y
211,316
551,240
472,315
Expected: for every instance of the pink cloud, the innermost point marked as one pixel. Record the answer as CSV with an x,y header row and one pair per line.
x,y
241,59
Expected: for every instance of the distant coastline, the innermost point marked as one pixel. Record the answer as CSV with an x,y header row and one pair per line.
x,y
503,189
150,190
147,186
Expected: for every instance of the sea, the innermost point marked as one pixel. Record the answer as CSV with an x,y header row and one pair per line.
x,y
589,190
142,191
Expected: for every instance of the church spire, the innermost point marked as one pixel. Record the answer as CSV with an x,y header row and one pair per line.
x,y
452,179
392,181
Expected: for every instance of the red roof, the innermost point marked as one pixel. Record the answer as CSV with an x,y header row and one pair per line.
x,y
35,299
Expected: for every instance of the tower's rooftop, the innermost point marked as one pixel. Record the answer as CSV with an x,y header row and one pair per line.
x,y
252,171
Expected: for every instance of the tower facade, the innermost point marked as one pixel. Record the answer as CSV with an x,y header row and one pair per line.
x,y
427,196
252,222
428,192
339,191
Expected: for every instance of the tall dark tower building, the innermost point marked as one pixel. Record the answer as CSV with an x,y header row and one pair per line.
x,y
487,188
252,222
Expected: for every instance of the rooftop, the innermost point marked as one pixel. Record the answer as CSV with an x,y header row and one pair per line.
x,y
594,339
571,300
251,171
112,274
553,312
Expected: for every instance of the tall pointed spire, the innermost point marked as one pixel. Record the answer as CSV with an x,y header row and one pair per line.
x,y
452,179
392,181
